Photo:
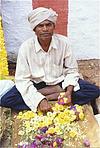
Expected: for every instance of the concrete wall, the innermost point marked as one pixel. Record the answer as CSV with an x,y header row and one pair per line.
x,y
15,24
84,28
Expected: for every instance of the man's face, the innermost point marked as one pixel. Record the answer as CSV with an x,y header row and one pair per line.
x,y
44,30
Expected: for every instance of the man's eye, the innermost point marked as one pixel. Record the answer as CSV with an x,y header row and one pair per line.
x,y
40,26
49,24
46,25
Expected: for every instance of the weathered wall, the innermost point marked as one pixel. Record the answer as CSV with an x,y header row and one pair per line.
x,y
84,28
15,24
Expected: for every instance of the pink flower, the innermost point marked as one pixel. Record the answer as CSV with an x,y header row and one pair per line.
x,y
39,137
86,143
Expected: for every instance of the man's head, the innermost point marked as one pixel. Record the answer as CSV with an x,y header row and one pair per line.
x,y
41,14
44,30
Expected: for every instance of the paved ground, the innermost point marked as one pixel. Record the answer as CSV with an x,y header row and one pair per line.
x,y
90,69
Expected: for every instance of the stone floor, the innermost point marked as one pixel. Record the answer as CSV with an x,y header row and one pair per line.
x,y
90,69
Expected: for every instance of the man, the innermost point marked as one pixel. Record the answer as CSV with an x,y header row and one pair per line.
x,y
45,67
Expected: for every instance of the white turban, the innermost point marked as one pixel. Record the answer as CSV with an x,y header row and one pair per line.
x,y
40,14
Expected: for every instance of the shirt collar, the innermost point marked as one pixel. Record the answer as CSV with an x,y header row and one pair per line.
x,y
38,46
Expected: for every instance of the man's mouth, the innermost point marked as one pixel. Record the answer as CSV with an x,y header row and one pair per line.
x,y
45,34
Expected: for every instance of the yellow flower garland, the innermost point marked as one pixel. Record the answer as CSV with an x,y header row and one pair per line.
x,y
3,54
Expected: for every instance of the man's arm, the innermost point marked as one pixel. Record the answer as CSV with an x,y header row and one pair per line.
x,y
70,83
23,81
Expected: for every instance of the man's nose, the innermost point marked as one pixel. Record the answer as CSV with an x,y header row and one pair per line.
x,y
44,27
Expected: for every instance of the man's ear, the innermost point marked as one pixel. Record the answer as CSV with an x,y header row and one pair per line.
x,y
54,25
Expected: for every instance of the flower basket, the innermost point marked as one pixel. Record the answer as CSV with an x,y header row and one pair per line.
x,y
54,130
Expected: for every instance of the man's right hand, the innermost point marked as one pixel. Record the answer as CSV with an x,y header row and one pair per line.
x,y
44,106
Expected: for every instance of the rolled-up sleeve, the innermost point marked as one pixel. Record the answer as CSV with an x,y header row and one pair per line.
x,y
70,71
23,82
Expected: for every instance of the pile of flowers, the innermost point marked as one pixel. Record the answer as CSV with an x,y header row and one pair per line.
x,y
57,129
3,54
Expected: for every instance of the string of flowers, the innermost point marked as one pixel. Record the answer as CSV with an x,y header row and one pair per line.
x,y
3,54
57,129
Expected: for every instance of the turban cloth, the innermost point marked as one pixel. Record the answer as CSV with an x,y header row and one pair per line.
x,y
40,14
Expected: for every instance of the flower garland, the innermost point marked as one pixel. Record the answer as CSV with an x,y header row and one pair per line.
x,y
3,54
56,129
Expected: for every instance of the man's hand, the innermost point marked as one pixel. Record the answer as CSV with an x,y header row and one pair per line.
x,y
44,106
68,93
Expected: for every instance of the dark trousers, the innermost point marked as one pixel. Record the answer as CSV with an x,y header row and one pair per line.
x,y
87,93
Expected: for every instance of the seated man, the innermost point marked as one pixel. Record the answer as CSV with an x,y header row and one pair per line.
x,y
45,67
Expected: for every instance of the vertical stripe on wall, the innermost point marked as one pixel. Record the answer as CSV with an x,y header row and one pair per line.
x,y
61,7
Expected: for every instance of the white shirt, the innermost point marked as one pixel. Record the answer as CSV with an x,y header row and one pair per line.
x,y
52,67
